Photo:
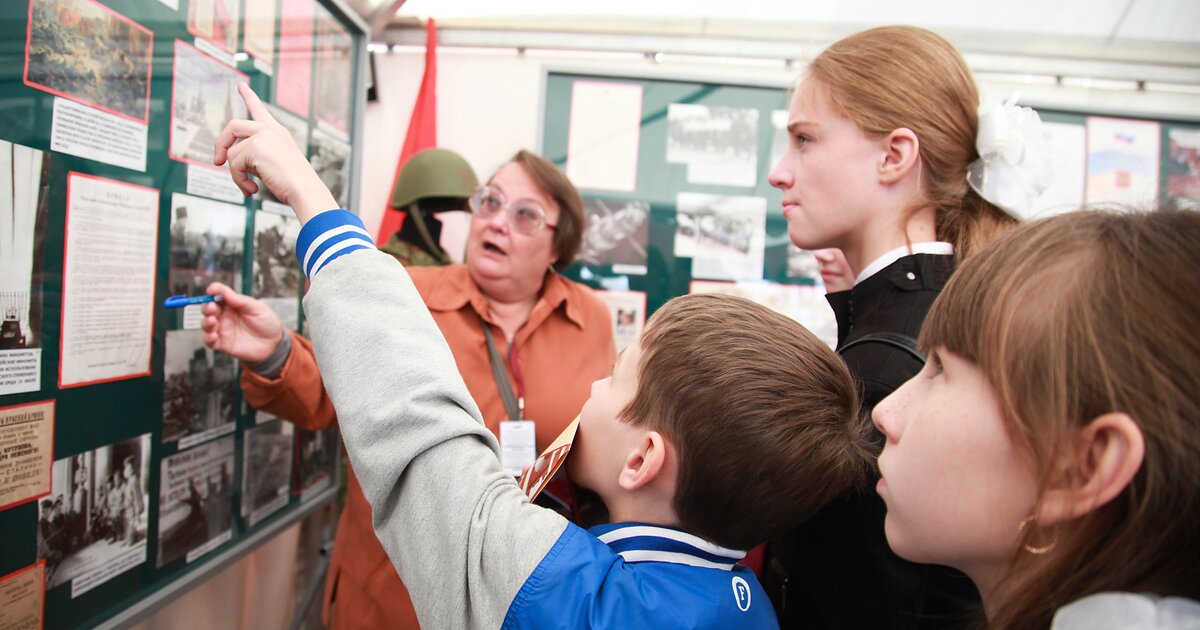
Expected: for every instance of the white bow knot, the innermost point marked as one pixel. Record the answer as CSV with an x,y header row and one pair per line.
x,y
1012,170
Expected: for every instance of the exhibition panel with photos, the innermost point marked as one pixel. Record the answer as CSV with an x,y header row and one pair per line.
x,y
130,467
674,178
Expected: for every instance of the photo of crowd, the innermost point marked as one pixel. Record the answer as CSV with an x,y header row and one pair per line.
x,y
96,512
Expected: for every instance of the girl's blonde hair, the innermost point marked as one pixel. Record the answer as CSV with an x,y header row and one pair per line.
x,y
891,77
1071,318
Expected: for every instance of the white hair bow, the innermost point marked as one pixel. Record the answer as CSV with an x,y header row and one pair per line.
x,y
1012,170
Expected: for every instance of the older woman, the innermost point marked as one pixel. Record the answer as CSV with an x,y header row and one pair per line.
x,y
552,339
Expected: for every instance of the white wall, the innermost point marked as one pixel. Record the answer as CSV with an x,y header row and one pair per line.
x,y
489,104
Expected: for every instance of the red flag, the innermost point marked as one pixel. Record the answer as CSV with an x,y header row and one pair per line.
x,y
422,131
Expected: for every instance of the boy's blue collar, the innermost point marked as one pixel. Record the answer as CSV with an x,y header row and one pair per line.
x,y
640,542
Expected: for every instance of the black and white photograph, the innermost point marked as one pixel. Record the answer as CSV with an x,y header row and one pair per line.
x,y
24,182
200,391
616,233
802,264
331,159
266,469
204,99
316,457
723,234
195,508
719,145
276,272
207,240
92,526
89,53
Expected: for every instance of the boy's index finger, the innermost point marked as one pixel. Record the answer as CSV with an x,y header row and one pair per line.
x,y
254,105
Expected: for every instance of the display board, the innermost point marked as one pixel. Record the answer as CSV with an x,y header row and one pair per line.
x,y
130,466
674,174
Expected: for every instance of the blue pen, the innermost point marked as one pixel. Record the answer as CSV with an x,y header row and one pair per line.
x,y
181,300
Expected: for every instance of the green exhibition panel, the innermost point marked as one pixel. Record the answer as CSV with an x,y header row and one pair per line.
x,y
711,143
674,174
130,467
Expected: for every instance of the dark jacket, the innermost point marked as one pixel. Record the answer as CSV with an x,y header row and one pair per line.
x,y
836,570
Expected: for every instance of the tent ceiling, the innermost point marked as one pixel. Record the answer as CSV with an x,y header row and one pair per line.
x,y
1156,40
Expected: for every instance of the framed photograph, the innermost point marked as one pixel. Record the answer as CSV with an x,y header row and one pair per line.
x,y
200,390
92,526
86,52
204,99
195,503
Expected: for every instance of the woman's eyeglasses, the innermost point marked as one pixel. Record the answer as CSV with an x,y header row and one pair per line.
x,y
524,215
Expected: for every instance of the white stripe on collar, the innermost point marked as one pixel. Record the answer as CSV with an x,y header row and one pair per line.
x,y
621,533
650,555
877,265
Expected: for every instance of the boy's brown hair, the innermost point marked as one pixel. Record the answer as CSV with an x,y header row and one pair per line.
x,y
762,414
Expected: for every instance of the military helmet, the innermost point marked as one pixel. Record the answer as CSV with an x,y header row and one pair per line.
x,y
433,173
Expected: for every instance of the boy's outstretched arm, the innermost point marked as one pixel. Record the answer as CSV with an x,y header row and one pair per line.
x,y
459,531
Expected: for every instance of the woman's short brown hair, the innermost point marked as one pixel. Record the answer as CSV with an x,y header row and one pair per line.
x,y
1071,318
568,236
763,416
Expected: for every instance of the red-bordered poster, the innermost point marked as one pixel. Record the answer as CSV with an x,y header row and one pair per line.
x,y
204,99
86,52
293,75
109,265
23,598
27,444
259,34
334,73
215,21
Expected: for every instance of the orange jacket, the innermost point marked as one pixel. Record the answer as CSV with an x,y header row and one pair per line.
x,y
565,345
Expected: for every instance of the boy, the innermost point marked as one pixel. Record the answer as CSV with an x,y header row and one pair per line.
x,y
724,425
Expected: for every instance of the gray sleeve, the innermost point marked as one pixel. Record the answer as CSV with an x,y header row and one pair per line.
x,y
460,532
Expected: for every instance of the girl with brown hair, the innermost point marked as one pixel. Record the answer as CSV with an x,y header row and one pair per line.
x,y
1049,448
889,162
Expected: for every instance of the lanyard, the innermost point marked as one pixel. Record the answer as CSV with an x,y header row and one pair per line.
x,y
514,403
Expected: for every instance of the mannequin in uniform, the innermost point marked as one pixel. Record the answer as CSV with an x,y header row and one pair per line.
x,y
432,181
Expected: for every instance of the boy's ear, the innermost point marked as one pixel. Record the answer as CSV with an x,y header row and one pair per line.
x,y
900,154
1104,458
645,462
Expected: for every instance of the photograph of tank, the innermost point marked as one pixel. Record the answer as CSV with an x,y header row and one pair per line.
x,y
85,51
195,508
206,244
92,526
616,233
200,392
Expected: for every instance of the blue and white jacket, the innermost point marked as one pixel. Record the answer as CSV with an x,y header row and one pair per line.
x,y
471,549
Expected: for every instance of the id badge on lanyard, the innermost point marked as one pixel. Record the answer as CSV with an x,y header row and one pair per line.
x,y
518,445
518,436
